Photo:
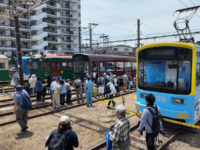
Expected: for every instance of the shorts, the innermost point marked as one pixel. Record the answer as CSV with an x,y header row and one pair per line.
x,y
124,84
101,90
94,94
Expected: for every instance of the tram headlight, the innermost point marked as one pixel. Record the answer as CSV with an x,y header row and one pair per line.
x,y
143,95
178,100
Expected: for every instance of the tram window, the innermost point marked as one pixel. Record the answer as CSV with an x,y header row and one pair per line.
x,y
110,66
2,65
35,65
102,66
46,65
184,76
198,74
28,65
41,65
64,65
134,66
69,65
127,65
120,66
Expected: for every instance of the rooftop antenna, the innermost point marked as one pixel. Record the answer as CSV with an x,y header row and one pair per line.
x,y
184,32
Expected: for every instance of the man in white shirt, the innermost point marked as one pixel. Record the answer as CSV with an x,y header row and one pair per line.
x,y
113,90
55,93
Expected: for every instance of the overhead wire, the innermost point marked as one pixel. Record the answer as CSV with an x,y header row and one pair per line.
x,y
149,27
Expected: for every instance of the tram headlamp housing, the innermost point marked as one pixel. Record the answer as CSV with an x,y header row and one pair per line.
x,y
178,100
143,95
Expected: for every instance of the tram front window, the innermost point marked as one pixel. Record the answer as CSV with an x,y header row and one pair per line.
x,y
160,77
81,67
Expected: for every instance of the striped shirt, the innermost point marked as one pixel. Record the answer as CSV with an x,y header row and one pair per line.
x,y
120,133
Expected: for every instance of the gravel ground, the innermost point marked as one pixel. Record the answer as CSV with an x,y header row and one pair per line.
x,y
90,125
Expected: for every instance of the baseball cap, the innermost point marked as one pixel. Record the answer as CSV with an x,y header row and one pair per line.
x,y
64,120
104,74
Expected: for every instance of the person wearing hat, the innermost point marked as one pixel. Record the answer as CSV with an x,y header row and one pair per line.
x,y
39,89
48,81
64,128
88,89
79,89
32,82
21,115
69,90
55,93
58,79
87,77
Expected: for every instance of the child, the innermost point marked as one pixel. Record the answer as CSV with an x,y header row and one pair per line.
x,y
95,91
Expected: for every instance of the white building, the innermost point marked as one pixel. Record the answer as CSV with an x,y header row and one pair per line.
x,y
51,26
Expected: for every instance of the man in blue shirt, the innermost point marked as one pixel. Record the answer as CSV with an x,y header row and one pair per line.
x,y
88,89
146,121
21,115
15,78
111,75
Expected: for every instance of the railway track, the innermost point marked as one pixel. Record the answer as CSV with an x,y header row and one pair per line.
x,y
161,147
50,110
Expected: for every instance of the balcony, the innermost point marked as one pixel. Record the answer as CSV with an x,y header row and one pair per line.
x,y
50,48
24,16
51,4
50,21
25,36
50,39
68,41
67,24
7,46
50,12
24,26
50,30
66,7
67,15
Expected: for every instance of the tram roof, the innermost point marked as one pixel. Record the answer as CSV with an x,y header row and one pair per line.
x,y
56,55
105,56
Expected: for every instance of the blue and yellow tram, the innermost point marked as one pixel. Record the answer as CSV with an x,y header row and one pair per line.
x,y
171,72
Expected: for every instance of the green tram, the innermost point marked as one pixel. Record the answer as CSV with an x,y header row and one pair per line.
x,y
56,64
4,68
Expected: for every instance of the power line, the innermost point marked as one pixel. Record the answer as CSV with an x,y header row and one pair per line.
x,y
150,27
192,2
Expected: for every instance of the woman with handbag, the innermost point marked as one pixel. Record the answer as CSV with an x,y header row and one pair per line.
x,y
32,82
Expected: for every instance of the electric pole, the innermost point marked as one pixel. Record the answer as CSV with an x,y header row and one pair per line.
x,y
19,52
79,39
90,30
105,38
138,33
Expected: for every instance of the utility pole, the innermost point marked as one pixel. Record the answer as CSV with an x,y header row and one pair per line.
x,y
138,33
105,39
79,39
90,30
19,52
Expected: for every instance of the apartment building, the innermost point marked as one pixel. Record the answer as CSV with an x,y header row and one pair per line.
x,y
53,26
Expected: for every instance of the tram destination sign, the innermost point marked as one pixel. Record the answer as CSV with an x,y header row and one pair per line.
x,y
161,53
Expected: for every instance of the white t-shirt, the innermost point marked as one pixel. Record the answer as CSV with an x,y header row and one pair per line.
x,y
94,74
54,85
112,88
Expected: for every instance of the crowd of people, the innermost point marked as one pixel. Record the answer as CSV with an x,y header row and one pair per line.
x,y
104,86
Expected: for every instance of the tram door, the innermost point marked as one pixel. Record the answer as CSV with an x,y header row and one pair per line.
x,y
55,69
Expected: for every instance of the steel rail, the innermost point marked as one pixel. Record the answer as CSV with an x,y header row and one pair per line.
x,y
56,110
103,144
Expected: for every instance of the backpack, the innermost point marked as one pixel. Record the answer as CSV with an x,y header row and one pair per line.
x,y
99,82
107,88
26,102
57,141
156,119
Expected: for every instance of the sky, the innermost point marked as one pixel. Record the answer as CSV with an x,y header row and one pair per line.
x,y
118,19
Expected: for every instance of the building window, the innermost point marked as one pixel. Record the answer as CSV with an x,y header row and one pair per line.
x,y
102,66
64,65
46,65
126,50
28,65
41,65
110,66
134,66
120,66
127,65
2,65
115,49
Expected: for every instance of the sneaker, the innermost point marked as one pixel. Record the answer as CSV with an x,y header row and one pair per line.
x,y
24,129
63,105
108,107
83,101
90,104
87,105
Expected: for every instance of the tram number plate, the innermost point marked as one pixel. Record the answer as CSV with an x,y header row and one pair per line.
x,y
162,99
